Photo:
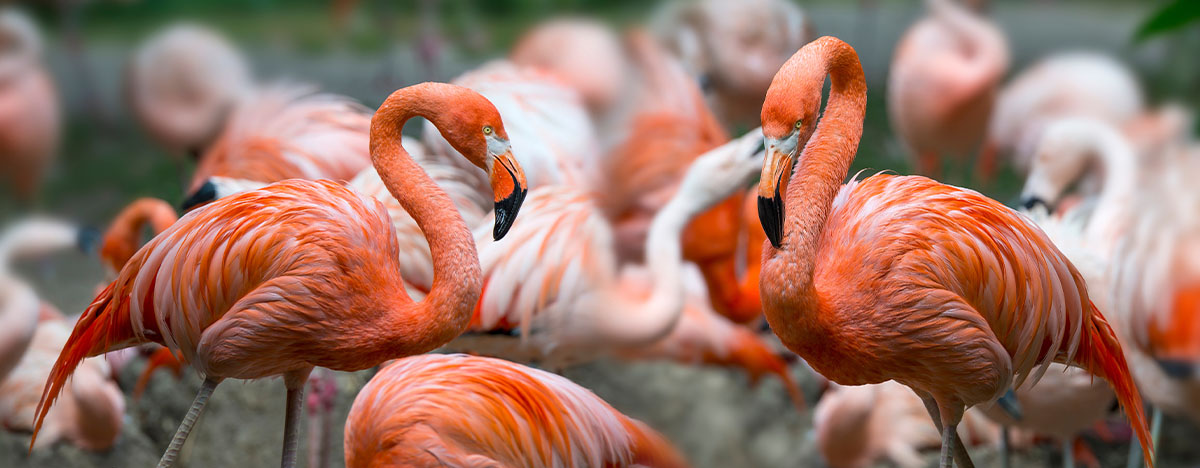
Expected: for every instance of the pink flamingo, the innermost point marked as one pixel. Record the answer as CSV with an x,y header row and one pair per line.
x,y
29,115
182,83
943,81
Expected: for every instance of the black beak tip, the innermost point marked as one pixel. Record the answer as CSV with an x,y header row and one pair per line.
x,y
506,212
88,239
1030,202
205,194
770,215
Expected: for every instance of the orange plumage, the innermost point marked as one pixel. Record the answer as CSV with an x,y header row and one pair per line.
x,y
902,278
474,411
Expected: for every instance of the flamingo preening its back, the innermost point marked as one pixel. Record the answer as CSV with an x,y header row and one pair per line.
x,y
943,82
902,278
301,274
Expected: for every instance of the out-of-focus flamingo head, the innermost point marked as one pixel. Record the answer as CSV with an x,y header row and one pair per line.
x,y
789,118
475,130
1060,157
719,173
586,54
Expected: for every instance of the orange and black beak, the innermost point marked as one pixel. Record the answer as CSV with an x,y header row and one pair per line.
x,y
776,171
509,188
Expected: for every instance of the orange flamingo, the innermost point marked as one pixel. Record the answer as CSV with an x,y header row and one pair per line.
x,y
457,410
29,114
300,274
182,83
902,278
943,82
285,132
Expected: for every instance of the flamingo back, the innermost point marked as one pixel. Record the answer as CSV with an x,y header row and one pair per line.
x,y
534,280
288,131
474,411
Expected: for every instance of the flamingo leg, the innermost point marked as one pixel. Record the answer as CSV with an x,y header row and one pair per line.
x,y
949,436
1068,454
294,381
189,420
1005,446
951,443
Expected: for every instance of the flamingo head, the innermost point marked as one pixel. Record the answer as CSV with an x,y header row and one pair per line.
x,y
475,130
789,118
1062,156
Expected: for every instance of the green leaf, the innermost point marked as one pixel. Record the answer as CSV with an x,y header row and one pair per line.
x,y
1175,15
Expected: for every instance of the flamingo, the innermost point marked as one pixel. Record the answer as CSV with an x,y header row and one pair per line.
x,y
1154,276
181,84
308,270
32,333
902,278
31,237
458,410
943,82
858,426
93,409
29,115
734,48
555,294
283,132
1066,84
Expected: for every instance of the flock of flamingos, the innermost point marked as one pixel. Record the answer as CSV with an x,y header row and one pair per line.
x,y
582,198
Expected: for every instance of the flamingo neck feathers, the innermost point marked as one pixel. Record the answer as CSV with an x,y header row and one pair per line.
x,y
817,177
457,278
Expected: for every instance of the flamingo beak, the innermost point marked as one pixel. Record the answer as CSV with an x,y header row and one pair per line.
x,y
776,171
509,188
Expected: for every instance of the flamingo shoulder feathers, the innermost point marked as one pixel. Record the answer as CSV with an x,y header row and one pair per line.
x,y
287,131
547,122
471,411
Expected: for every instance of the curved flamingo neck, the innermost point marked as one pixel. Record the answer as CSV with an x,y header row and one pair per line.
x,y
1114,205
825,161
157,213
457,277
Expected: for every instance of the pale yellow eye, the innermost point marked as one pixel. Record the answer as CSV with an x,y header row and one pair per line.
x,y
799,123
487,130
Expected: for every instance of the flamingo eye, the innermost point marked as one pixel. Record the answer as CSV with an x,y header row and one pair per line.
x,y
487,130
799,123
